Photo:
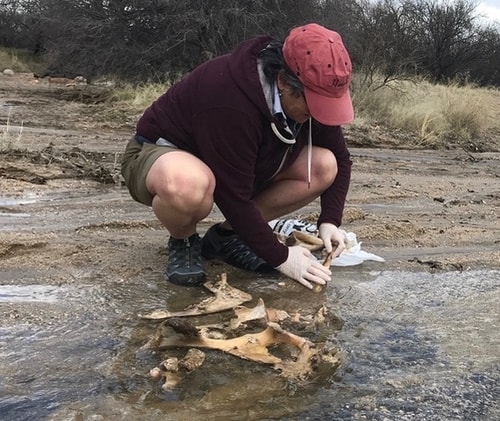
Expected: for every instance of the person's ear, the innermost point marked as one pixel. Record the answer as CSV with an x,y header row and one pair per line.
x,y
281,81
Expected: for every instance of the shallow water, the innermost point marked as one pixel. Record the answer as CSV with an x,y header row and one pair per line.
x,y
67,207
417,346
421,346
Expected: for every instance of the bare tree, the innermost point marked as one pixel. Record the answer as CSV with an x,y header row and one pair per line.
x,y
380,43
399,39
444,34
141,40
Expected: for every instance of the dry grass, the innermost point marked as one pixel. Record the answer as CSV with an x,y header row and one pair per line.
x,y
423,114
126,103
138,97
10,137
19,61
437,115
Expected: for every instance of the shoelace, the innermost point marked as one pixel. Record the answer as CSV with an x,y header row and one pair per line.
x,y
239,253
187,246
184,253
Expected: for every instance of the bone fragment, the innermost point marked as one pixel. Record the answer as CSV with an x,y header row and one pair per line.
x,y
192,360
328,260
259,312
321,316
254,347
308,241
172,369
182,326
225,298
308,238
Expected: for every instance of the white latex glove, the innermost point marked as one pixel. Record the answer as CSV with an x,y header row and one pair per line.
x,y
331,236
303,267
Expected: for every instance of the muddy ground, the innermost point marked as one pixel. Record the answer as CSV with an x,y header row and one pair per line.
x,y
62,201
66,219
63,206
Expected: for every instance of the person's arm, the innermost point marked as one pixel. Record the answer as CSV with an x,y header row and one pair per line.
x,y
333,199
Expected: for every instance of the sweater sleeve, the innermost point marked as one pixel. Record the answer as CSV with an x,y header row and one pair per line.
x,y
333,199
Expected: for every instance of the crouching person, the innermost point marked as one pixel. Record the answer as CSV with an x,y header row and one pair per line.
x,y
258,133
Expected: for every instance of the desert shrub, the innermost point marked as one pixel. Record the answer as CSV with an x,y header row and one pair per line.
x,y
375,96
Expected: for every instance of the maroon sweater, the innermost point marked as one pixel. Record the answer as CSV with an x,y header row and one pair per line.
x,y
219,114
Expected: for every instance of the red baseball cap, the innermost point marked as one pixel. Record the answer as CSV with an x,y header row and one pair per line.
x,y
319,59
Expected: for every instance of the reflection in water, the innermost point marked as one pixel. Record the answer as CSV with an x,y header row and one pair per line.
x,y
418,346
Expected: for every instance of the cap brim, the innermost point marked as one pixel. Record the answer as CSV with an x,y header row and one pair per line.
x,y
330,111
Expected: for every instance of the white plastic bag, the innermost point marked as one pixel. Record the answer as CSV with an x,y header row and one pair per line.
x,y
353,255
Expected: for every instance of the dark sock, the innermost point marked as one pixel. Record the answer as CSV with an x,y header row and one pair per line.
x,y
223,231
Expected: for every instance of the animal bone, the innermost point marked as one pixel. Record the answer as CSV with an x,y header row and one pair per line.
x,y
259,312
299,238
252,346
172,369
176,332
226,298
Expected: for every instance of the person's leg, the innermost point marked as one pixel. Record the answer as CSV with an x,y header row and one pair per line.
x,y
179,187
289,191
182,187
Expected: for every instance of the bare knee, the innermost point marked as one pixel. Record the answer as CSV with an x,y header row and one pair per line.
x,y
324,167
185,187
188,190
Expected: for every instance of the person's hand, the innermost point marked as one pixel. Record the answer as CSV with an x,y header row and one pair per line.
x,y
332,237
302,267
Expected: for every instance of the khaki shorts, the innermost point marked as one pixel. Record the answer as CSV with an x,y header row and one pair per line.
x,y
136,163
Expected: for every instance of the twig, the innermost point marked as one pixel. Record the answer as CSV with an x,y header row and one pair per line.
x,y
328,261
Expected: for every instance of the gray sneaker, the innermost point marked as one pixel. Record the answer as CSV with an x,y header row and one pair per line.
x,y
185,264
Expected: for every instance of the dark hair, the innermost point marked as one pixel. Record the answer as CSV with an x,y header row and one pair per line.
x,y
273,64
